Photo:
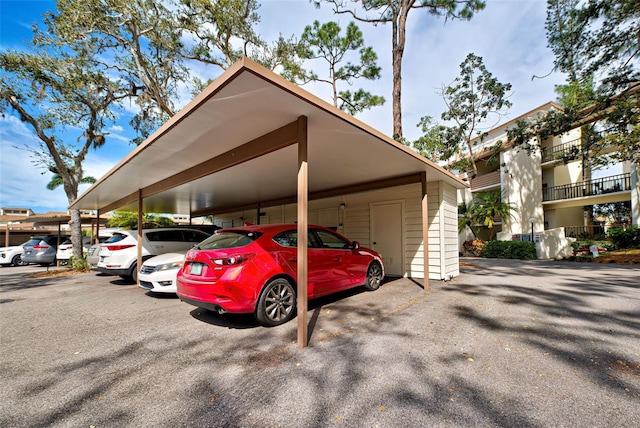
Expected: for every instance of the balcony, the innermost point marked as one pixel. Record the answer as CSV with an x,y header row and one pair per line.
x,y
564,152
486,180
599,186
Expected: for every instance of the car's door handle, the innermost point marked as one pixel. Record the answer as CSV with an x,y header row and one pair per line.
x,y
337,259
293,259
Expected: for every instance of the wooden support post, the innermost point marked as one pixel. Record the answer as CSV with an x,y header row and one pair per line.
x,y
303,221
97,228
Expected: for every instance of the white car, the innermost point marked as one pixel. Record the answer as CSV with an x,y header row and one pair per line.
x,y
119,254
159,273
65,250
11,256
92,255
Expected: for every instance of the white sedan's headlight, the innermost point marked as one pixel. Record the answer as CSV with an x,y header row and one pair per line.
x,y
169,266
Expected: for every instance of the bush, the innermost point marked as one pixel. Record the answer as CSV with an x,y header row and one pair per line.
x,y
510,250
473,248
78,263
625,238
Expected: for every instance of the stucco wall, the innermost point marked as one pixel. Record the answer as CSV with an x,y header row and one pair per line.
x,y
522,187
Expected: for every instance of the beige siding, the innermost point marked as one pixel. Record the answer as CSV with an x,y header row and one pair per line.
x,y
450,220
354,221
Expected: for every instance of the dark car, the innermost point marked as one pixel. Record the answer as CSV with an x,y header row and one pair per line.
x,y
41,249
254,270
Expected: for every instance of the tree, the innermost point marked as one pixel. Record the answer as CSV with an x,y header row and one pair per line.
x,y
324,42
129,220
136,39
595,43
472,99
486,206
152,45
396,12
466,218
57,180
56,91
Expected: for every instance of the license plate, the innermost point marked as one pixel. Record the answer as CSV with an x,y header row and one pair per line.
x,y
195,268
101,258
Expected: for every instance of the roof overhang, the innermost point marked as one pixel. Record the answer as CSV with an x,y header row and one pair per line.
x,y
234,146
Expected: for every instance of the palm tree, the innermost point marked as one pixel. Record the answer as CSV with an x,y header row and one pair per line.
x,y
466,218
56,181
489,205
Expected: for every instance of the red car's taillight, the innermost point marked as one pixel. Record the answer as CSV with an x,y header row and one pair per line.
x,y
118,247
232,260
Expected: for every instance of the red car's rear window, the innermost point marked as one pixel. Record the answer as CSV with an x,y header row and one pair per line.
x,y
229,239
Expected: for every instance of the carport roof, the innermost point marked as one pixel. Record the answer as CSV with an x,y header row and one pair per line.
x,y
234,146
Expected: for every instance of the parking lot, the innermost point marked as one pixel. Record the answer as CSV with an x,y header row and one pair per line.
x,y
507,343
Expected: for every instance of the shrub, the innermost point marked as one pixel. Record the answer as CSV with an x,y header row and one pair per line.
x,y
78,263
510,250
625,238
473,248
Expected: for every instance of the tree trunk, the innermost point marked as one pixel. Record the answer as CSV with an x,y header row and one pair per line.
x,y
397,50
76,234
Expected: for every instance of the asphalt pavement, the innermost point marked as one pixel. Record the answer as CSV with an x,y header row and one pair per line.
x,y
505,344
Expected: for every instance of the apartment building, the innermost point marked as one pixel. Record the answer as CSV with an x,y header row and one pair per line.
x,y
553,189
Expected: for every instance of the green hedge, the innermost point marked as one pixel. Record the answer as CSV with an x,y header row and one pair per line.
x,y
510,250
625,238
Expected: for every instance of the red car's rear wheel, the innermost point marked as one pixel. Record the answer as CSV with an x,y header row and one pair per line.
x,y
277,303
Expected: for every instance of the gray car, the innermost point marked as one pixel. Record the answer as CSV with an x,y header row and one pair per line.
x,y
41,249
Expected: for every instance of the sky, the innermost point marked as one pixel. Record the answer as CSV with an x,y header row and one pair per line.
x,y
508,34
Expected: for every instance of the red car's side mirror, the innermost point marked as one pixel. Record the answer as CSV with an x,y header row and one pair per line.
x,y
355,245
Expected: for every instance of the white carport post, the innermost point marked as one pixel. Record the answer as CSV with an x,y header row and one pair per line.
x,y
140,224
425,229
303,201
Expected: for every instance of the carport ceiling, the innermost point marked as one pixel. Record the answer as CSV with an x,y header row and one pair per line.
x,y
172,168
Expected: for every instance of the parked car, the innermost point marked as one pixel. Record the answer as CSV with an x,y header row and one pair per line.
x,y
159,274
119,254
41,249
253,270
11,256
65,250
92,255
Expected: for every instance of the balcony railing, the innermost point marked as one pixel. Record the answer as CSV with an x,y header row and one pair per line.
x,y
599,186
485,180
585,232
564,152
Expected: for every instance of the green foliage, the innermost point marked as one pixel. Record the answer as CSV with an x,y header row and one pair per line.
x,y
483,210
510,250
486,206
396,12
625,238
466,218
78,263
473,99
129,220
595,43
324,42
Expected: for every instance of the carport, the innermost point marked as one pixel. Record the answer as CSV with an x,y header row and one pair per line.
x,y
253,140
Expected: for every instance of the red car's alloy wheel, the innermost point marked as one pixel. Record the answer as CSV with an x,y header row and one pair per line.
x,y
277,303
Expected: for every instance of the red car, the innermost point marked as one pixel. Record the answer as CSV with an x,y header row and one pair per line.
x,y
252,269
